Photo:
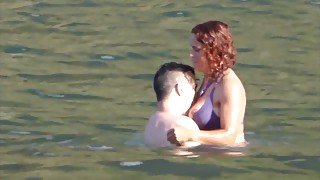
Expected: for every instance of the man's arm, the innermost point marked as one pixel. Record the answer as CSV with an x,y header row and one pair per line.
x,y
183,123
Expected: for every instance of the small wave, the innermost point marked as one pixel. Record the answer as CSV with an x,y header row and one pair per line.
x,y
99,147
66,96
177,14
68,141
130,163
21,132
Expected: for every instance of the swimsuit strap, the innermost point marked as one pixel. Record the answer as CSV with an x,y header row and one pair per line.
x,y
203,90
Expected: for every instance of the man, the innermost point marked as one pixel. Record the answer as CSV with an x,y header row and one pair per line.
x,y
174,85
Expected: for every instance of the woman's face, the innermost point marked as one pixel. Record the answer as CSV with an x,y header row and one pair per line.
x,y
197,55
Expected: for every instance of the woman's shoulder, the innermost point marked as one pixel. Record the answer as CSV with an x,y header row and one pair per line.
x,y
230,85
231,80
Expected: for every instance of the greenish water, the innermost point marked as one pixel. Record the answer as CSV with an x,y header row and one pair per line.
x,y
76,87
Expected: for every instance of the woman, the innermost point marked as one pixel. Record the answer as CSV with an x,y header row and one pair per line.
x,y
220,103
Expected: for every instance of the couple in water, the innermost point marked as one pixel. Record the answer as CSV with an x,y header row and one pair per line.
x,y
214,113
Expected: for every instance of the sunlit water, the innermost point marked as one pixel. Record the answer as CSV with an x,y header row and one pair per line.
x,y
76,87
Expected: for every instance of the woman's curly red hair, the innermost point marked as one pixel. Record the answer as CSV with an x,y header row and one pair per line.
x,y
217,46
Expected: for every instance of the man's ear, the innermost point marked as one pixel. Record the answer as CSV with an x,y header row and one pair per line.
x,y
178,88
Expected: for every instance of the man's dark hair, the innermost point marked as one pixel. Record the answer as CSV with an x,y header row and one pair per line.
x,y
165,78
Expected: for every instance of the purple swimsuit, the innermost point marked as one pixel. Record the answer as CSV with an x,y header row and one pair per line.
x,y
205,117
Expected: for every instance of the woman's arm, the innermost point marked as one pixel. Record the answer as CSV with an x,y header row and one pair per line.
x,y
231,96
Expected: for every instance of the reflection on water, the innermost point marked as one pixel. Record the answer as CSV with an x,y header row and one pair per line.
x,y
171,169
209,150
76,88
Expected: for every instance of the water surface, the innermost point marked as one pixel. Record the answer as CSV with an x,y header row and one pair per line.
x,y
76,87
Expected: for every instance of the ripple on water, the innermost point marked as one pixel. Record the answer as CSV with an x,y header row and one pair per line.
x,y
277,111
314,2
177,14
274,170
130,163
28,118
62,77
83,33
255,66
36,17
135,56
142,103
142,76
66,168
298,51
65,142
260,12
67,139
163,54
19,49
307,118
167,5
296,160
99,147
260,2
66,96
110,127
137,140
162,166
34,178
289,38
95,63
84,3
244,50
219,7
3,76
137,44
2,142
21,132
32,150
10,123
107,57
249,133
177,32
19,166
73,24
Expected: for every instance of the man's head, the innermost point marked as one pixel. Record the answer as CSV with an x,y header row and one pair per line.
x,y
173,76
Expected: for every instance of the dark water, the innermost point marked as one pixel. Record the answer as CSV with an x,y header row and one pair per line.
x,y
76,87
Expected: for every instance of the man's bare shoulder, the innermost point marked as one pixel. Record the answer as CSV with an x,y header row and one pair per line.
x,y
161,121
172,120
156,129
164,117
187,122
